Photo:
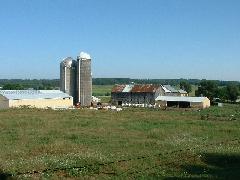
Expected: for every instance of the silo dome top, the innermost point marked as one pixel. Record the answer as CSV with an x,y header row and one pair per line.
x,y
84,55
67,61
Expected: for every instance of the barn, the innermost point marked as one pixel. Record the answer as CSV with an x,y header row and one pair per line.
x,y
171,91
183,102
35,98
135,94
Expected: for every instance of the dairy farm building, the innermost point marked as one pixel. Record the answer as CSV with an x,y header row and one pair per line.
x,y
162,95
35,98
135,94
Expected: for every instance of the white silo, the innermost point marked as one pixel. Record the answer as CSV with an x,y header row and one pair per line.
x,y
84,79
68,69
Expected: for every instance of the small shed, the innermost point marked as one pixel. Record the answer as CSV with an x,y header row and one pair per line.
x,y
35,98
183,92
183,102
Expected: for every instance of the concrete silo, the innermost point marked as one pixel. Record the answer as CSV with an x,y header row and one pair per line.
x,y
84,79
68,72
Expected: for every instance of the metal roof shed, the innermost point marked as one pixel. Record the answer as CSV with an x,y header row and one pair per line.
x,y
35,98
197,102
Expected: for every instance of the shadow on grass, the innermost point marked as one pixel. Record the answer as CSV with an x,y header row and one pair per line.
x,y
216,166
5,176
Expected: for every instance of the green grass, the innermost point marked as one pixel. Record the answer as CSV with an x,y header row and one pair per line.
x,y
102,90
74,144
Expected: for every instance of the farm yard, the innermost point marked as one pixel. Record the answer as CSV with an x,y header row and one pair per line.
x,y
135,143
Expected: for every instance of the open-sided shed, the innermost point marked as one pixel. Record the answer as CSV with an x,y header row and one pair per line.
x,y
183,102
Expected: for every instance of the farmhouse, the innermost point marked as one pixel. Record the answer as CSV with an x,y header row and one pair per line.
x,y
135,94
35,98
183,102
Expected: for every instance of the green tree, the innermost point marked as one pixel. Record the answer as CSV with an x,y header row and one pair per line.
x,y
221,93
208,89
12,87
186,86
232,92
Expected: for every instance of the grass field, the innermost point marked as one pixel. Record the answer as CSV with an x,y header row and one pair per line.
x,y
131,144
102,90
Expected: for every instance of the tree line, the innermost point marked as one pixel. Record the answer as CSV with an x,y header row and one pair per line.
x,y
217,93
36,84
44,83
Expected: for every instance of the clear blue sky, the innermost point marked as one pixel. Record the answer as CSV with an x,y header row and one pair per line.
x,y
126,38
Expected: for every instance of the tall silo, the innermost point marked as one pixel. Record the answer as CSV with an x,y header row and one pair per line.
x,y
84,79
68,83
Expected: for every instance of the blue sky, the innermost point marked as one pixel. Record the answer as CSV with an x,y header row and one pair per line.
x,y
126,38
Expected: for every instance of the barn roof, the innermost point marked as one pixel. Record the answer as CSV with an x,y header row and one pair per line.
x,y
181,98
170,89
145,88
165,89
33,94
118,88
182,91
135,88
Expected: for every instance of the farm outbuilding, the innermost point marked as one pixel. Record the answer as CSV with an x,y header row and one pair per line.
x,y
171,91
35,98
183,102
144,94
183,92
135,94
